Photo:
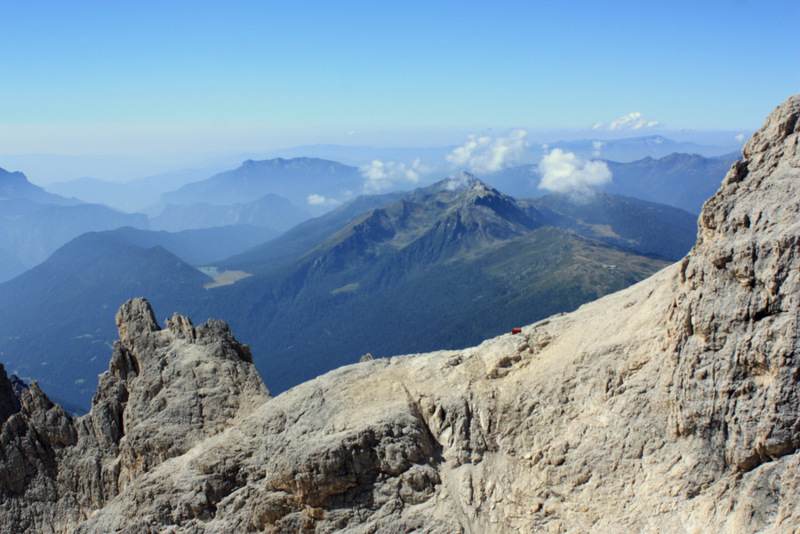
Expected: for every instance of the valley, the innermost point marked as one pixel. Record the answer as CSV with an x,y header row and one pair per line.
x,y
446,265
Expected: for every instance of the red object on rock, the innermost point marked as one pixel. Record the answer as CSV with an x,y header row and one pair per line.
x,y
516,330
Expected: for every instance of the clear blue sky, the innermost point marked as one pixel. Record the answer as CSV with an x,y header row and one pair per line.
x,y
95,77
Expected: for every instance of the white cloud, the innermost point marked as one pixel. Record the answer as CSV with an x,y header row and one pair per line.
x,y
597,146
740,138
381,176
631,121
319,200
457,182
564,172
485,155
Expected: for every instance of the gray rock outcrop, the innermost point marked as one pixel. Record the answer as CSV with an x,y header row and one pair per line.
x,y
672,406
165,391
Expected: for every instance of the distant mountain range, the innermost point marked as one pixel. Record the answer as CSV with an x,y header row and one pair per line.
x,y
683,181
294,179
620,150
270,211
143,194
636,148
278,194
680,180
135,195
441,266
15,186
34,223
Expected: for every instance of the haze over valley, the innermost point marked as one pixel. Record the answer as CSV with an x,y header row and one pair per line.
x,y
310,258
310,293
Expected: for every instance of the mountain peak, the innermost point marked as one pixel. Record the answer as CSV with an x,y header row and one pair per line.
x,y
292,179
11,175
299,163
460,185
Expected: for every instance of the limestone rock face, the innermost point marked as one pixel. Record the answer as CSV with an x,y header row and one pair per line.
x,y
671,406
165,391
35,436
737,304
181,385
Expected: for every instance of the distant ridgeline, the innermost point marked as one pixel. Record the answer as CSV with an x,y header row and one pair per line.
x,y
443,266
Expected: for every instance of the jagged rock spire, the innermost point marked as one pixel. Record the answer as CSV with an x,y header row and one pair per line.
x,y
165,391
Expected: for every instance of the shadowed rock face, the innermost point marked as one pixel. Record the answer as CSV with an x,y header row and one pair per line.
x,y
671,406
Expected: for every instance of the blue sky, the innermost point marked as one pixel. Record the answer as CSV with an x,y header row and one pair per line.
x,y
121,77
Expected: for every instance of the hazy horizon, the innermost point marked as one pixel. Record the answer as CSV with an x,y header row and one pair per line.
x,y
156,87
47,169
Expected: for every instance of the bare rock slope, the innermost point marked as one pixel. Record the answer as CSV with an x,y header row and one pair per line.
x,y
672,406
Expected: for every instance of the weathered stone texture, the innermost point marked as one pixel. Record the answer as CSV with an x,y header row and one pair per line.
x,y
165,391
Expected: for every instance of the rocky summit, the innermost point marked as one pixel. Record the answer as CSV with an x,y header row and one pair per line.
x,y
672,406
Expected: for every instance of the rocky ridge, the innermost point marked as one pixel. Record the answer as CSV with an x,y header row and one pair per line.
x,y
165,391
671,406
